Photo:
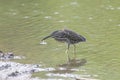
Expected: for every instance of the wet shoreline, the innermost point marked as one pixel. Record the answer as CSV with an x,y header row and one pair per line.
x,y
18,71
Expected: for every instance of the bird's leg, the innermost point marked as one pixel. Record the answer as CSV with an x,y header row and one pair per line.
x,y
67,41
74,51
68,58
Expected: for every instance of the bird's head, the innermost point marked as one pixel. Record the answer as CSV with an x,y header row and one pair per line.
x,y
83,39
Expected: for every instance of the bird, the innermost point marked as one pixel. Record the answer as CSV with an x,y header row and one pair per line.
x,y
68,36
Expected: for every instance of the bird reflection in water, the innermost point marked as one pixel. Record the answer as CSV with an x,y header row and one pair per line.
x,y
71,66
74,63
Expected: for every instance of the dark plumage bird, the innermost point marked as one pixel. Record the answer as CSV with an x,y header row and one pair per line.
x,y
67,36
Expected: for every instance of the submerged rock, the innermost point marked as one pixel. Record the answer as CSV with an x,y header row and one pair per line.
x,y
9,55
1,54
13,74
13,69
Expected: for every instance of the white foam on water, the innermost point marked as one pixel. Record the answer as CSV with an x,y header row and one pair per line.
x,y
110,20
48,17
43,42
56,12
26,17
61,21
36,4
9,56
90,18
35,11
22,4
118,25
110,7
73,76
14,13
118,8
18,71
73,3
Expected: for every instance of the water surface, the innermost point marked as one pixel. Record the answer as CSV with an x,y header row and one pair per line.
x,y
23,23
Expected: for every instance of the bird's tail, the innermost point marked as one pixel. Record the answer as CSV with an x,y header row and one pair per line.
x,y
46,37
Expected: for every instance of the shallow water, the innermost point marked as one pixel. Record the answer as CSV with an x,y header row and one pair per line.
x,y
23,23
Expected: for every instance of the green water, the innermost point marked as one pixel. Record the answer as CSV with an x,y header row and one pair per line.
x,y
23,23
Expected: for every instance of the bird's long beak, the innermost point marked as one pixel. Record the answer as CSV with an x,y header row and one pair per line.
x,y
84,39
46,37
